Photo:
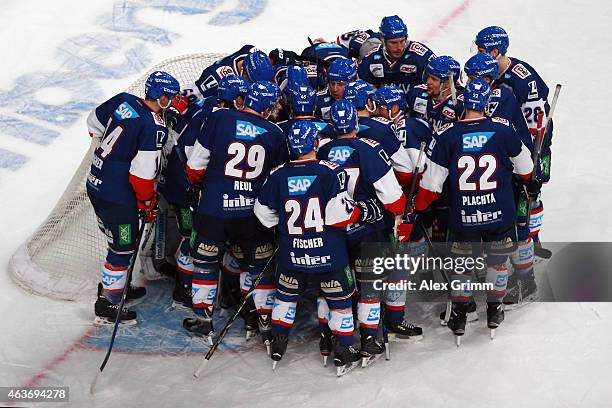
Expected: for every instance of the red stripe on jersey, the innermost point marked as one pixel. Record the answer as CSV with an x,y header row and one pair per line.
x,y
403,179
537,210
368,301
143,188
265,287
398,206
390,307
281,323
203,282
194,176
115,268
354,218
424,198
525,177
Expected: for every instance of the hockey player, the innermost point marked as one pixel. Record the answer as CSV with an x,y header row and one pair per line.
x,y
360,43
532,94
230,95
206,84
233,154
380,130
399,61
478,155
370,177
503,103
340,73
433,101
302,104
308,201
121,181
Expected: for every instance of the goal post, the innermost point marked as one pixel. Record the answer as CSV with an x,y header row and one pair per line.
x,y
62,259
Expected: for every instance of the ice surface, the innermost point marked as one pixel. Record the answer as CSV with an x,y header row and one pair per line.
x,y
543,355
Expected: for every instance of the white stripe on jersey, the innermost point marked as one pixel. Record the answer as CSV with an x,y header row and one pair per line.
x,y
387,188
522,162
266,215
144,164
96,128
433,179
338,209
414,157
198,156
402,162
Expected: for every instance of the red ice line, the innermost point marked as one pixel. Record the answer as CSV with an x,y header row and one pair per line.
x,y
39,376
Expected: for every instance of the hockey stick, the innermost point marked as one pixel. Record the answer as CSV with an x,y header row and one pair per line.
x,y
453,90
540,139
123,296
229,323
413,183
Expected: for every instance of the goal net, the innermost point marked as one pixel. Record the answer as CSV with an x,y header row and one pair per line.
x,y
63,258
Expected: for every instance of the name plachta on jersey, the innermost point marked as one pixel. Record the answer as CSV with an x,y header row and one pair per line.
x,y
298,185
125,111
340,154
248,131
473,142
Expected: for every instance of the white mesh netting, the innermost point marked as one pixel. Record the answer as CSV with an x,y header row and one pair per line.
x,y
62,259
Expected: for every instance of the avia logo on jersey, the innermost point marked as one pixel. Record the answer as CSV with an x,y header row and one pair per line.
x,y
239,203
340,154
125,111
247,130
480,218
308,260
299,185
288,281
473,142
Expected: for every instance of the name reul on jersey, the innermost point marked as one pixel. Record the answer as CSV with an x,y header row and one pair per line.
x,y
308,200
478,156
132,138
234,154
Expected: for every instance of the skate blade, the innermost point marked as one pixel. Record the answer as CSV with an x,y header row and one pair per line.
x,y
387,352
103,321
492,333
267,344
274,363
398,338
325,361
345,369
457,340
368,361
179,306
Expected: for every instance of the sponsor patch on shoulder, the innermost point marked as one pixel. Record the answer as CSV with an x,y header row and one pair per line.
x,y
501,120
448,112
417,48
407,69
377,70
496,93
224,70
521,71
445,127
370,142
125,111
158,119
329,164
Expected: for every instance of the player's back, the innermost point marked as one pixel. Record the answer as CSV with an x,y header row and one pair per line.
x,y
503,104
208,81
243,149
311,193
480,166
131,129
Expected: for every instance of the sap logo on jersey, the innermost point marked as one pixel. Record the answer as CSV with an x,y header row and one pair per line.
x,y
125,111
247,130
473,142
340,154
298,185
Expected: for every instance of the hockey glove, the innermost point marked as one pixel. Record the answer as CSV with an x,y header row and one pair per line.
x,y
371,210
149,208
177,108
404,228
533,187
192,196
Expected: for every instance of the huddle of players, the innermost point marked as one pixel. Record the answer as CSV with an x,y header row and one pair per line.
x,y
327,172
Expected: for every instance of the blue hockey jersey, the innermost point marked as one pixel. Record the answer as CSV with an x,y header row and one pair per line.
x,y
309,202
128,159
478,156
404,73
503,104
369,176
208,81
233,155
410,132
353,40
436,113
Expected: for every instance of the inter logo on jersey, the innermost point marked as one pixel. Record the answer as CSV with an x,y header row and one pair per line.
x,y
473,142
247,130
125,111
299,185
340,154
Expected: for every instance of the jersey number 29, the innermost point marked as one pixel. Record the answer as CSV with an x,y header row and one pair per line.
x,y
255,156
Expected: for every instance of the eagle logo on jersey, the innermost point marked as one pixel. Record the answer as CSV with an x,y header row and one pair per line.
x,y
248,131
340,154
473,142
298,185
